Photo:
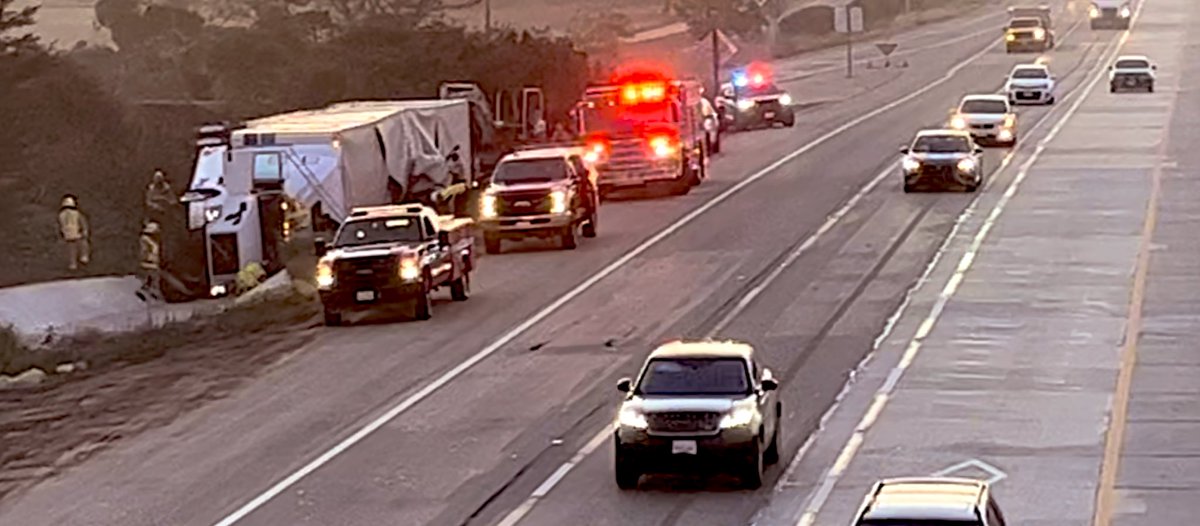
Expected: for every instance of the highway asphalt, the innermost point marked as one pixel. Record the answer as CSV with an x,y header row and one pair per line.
x,y
462,419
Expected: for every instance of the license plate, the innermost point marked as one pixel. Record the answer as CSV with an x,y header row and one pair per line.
x,y
683,447
769,115
365,295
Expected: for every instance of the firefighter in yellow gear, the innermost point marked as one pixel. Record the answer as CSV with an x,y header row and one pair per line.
x,y
74,231
249,277
159,197
151,258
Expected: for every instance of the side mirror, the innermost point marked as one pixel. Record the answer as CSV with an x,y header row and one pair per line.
x,y
1154,67
444,239
320,247
904,150
978,150
624,385
769,384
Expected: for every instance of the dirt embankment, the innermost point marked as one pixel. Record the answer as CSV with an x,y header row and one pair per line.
x,y
138,381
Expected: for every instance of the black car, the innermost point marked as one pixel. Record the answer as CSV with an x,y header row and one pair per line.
x,y
698,406
942,158
755,105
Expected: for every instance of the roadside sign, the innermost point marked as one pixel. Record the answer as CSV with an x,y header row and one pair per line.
x,y
848,19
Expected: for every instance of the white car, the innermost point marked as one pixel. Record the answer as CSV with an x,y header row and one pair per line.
x,y
1031,83
1132,72
989,119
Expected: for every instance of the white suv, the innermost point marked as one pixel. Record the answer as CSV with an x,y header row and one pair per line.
x,y
989,119
1031,83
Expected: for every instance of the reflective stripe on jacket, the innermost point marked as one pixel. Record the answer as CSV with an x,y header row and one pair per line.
x,y
149,250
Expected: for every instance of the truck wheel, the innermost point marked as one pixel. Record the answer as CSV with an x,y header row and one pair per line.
x,y
589,228
491,243
460,289
567,238
752,473
423,305
908,188
626,474
1051,101
790,121
1150,88
333,318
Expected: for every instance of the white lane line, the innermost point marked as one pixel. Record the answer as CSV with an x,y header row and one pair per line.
x,y
570,295
849,450
521,511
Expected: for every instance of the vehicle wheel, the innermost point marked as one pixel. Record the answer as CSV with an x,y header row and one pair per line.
x,y
1051,101
790,122
1150,88
590,227
567,238
1112,88
908,188
460,289
716,144
333,318
423,307
771,456
491,243
752,474
626,474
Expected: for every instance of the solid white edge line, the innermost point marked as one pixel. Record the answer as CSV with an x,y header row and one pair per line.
x,y
817,501
281,486
527,506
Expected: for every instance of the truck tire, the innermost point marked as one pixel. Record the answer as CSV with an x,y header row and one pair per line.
x,y
567,238
423,304
1150,88
491,243
790,121
333,318
752,472
460,289
626,473
590,227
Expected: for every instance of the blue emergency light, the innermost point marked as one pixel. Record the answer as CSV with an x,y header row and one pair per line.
x,y
740,80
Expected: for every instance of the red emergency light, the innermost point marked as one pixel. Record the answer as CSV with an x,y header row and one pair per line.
x,y
643,92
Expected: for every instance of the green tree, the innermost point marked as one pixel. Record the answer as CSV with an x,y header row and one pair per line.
x,y
742,17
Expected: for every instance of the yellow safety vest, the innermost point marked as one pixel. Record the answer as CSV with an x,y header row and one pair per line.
x,y
72,224
150,256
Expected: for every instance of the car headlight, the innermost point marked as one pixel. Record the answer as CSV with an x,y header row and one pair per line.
x,y
745,104
1011,37
1039,33
409,269
910,165
1093,11
785,99
958,123
1126,12
739,417
630,417
324,274
487,206
966,165
1005,134
558,202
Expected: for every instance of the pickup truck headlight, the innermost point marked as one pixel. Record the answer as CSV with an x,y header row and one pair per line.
x,y
739,417
630,417
785,99
1039,34
1126,12
910,164
410,270
558,202
1011,37
487,206
1093,11
745,104
324,274
958,123
966,165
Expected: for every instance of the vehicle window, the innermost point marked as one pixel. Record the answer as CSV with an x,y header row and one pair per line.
x,y
429,230
699,376
1030,73
531,171
1023,23
376,231
984,106
603,115
916,522
1132,64
941,144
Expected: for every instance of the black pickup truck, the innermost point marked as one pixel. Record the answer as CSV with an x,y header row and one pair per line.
x,y
391,255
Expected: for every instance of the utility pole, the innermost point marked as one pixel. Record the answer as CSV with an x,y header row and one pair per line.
x,y
716,51
487,17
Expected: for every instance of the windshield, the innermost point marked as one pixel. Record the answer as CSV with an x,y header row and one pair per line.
x,y
941,144
759,91
375,231
1025,23
531,171
696,376
916,522
608,116
1132,64
984,106
1030,73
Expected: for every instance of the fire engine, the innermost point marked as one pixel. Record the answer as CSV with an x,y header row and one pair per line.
x,y
643,130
